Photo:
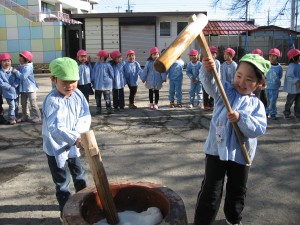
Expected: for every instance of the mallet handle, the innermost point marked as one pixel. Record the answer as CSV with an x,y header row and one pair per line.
x,y
206,52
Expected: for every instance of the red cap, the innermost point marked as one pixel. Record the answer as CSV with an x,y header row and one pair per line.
x,y
4,56
115,54
274,51
292,53
230,51
27,55
81,52
258,52
103,53
128,52
194,52
213,49
153,50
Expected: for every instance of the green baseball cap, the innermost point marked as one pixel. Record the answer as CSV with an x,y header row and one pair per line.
x,y
259,62
64,68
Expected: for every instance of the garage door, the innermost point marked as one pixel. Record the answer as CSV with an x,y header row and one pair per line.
x,y
138,38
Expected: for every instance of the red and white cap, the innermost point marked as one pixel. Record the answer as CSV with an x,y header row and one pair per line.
x,y
115,54
153,50
27,55
257,51
4,56
213,49
81,52
103,53
194,52
292,53
128,52
274,51
230,51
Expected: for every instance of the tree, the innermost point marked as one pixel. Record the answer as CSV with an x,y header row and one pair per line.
x,y
240,7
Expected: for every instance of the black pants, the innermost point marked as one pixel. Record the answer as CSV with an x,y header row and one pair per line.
x,y
207,100
156,92
118,98
210,195
132,93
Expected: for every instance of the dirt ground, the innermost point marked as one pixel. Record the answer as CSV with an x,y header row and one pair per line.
x,y
164,147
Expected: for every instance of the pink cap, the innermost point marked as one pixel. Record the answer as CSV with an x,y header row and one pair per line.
x,y
194,52
213,49
292,53
103,53
27,55
258,52
4,56
129,52
81,52
115,54
153,50
274,51
230,51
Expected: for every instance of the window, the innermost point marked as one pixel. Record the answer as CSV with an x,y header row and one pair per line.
x,y
47,8
181,26
165,29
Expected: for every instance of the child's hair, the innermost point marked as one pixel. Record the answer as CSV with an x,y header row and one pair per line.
x,y
294,59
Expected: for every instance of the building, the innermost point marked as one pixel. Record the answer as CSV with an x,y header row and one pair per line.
x,y
39,26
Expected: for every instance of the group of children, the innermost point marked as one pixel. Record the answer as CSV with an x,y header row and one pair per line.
x,y
15,82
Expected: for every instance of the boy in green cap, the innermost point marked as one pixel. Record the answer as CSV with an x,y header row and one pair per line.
x,y
65,116
223,152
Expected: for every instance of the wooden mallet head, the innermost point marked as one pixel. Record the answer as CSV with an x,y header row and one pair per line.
x,y
180,44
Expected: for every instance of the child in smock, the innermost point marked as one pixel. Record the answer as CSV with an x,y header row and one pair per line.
x,y
119,81
208,101
85,69
292,84
10,88
153,80
175,82
65,116
28,87
132,71
228,67
273,83
224,155
192,71
102,80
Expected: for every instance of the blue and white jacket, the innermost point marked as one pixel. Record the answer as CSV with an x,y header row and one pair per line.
x,y
176,70
102,76
9,83
222,140
26,76
119,77
273,77
64,119
192,70
132,71
84,74
292,76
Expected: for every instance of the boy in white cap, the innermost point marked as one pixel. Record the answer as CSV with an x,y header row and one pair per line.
x,y
65,116
224,155
228,67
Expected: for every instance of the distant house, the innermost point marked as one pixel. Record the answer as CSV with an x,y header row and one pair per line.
x,y
137,31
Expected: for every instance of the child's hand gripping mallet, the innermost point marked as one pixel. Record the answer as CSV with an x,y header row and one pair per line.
x,y
184,39
89,143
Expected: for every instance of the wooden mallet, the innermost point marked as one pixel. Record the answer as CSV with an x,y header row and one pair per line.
x,y
164,62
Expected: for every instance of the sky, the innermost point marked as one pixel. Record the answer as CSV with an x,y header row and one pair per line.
x,y
260,14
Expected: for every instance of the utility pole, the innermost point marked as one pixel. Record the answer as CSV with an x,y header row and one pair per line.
x,y
247,9
293,14
128,10
118,7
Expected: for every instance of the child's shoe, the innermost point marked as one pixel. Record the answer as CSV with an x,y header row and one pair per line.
x,y
109,110
273,117
172,105
199,104
132,106
155,107
121,109
211,108
99,110
35,120
179,105
12,122
206,108
24,118
151,106
233,223
191,106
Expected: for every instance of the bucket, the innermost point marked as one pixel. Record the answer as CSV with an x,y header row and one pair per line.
x,y
85,208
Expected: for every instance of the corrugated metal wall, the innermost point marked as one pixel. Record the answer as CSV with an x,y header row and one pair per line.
x,y
138,38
